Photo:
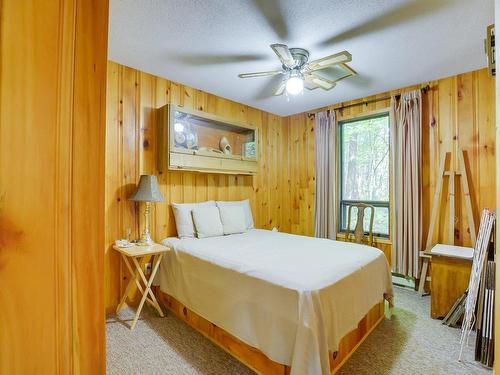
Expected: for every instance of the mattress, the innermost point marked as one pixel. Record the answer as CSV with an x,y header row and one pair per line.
x,y
292,297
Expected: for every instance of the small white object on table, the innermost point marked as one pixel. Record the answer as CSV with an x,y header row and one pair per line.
x,y
136,254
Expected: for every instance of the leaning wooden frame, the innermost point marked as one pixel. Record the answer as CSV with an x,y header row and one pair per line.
x,y
477,273
253,357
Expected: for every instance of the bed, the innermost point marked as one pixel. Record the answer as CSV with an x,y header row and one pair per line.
x,y
280,303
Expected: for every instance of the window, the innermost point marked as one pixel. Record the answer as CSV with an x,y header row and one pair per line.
x,y
364,170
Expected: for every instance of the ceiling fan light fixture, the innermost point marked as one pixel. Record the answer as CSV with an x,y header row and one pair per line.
x,y
299,73
295,84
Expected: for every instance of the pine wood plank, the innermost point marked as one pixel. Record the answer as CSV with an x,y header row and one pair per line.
x,y
52,123
449,281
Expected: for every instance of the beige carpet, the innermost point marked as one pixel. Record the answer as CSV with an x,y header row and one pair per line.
x,y
408,343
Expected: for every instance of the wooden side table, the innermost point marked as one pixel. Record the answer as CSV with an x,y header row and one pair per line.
x,y
135,254
451,268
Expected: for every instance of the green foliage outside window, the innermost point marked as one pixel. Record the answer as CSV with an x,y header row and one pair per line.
x,y
364,148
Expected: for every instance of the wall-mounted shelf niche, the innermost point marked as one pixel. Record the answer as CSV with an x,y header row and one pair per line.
x,y
197,141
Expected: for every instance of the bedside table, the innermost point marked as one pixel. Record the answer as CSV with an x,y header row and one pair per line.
x,y
134,254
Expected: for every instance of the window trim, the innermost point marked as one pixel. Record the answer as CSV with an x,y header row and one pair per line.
x,y
340,201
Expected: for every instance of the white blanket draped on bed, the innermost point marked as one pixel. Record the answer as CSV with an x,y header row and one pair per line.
x,y
292,297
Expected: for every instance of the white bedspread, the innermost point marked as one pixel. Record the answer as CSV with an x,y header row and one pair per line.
x,y
292,297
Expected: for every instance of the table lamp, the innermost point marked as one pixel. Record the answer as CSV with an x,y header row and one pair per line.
x,y
147,191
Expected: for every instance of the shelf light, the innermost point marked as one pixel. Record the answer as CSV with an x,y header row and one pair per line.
x,y
178,127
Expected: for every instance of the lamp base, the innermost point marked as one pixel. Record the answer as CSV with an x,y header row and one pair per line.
x,y
145,240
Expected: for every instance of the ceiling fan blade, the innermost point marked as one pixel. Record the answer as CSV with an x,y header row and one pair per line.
x,y
284,54
273,14
319,81
350,71
260,74
407,11
200,59
280,89
310,85
338,58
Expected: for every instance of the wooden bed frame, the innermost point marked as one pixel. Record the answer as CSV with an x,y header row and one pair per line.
x,y
254,358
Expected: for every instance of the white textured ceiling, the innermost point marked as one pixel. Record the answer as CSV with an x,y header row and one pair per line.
x,y
206,43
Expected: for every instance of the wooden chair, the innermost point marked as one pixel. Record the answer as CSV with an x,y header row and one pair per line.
x,y
359,232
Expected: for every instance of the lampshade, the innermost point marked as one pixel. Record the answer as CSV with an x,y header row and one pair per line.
x,y
147,190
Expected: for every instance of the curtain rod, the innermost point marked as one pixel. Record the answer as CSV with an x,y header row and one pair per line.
x,y
424,90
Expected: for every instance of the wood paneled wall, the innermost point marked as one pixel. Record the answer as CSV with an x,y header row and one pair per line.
x,y
52,96
132,100
458,113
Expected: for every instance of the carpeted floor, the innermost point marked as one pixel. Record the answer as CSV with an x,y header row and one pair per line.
x,y
408,343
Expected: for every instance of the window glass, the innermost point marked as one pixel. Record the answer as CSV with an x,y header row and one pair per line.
x,y
364,170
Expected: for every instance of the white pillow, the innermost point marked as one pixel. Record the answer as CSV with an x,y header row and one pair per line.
x,y
233,219
184,219
246,207
207,222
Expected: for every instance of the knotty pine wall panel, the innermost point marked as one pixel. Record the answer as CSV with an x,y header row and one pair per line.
x,y
133,98
53,59
458,113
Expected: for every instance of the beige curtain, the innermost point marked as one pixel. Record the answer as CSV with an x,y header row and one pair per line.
x,y
406,134
325,224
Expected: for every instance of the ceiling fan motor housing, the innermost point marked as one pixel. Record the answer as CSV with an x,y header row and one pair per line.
x,y
300,55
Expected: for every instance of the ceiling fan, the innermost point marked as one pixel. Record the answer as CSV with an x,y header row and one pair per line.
x,y
298,72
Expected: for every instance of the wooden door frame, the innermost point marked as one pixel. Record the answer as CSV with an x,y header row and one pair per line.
x,y
52,141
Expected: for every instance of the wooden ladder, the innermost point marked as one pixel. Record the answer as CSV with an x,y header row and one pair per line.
x,y
442,173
